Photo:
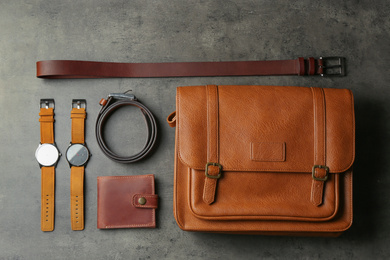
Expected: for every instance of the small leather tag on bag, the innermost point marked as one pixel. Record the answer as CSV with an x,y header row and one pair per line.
x,y
268,152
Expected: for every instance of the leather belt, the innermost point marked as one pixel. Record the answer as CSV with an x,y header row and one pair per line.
x,y
324,66
113,102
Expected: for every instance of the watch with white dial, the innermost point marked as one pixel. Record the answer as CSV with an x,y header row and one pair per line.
x,y
47,155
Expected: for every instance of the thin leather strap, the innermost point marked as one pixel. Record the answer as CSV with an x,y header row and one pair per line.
x,y
148,201
77,197
47,198
317,188
78,124
56,69
46,120
210,184
171,119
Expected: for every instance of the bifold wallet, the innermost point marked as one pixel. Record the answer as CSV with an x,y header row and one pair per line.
x,y
126,202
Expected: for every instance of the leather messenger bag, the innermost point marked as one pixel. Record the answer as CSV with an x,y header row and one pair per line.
x,y
264,159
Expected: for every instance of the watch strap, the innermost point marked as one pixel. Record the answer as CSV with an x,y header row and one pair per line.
x,y
78,124
77,197
47,125
47,198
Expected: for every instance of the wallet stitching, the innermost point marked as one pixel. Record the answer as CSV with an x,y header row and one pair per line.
x,y
131,225
137,205
153,221
124,177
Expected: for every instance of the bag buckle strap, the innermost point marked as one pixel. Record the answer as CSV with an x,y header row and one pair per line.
x,y
313,174
213,176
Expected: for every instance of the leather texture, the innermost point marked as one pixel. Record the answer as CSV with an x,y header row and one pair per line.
x,y
78,116
47,198
267,140
119,202
150,201
46,120
55,69
319,125
210,184
77,197
109,106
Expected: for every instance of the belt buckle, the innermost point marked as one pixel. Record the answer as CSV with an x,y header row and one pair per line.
x,y
46,103
79,103
122,96
333,66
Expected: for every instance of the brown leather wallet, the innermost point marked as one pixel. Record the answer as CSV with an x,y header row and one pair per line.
x,y
126,202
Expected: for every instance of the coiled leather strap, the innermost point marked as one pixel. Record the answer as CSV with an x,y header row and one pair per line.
x,y
110,106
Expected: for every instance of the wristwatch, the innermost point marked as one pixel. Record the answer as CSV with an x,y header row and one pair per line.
x,y
47,155
77,156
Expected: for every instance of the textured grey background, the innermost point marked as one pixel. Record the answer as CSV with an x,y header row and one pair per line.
x,y
177,30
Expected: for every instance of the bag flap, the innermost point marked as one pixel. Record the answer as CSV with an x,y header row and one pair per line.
x,y
266,128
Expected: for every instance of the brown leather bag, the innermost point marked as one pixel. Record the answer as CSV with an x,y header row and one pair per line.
x,y
264,159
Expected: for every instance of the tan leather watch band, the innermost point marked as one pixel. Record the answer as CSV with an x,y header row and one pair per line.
x,y
56,69
78,121
78,115
47,198
77,197
47,172
47,125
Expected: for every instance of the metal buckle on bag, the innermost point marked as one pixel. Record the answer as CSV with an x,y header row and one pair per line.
x,y
333,66
213,176
46,103
79,103
313,173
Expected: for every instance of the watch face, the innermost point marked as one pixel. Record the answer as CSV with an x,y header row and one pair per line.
x,y
47,154
77,154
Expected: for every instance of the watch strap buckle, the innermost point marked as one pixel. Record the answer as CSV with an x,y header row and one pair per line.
x,y
46,103
79,103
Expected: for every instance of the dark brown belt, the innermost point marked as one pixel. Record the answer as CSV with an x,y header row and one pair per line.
x,y
113,102
324,66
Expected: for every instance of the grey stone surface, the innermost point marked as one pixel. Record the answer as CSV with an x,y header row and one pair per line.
x,y
177,30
